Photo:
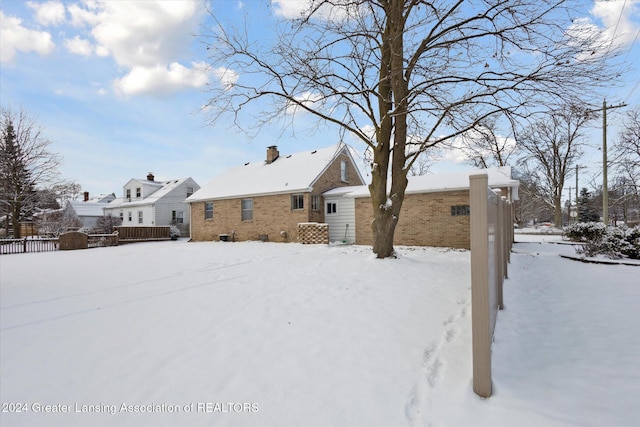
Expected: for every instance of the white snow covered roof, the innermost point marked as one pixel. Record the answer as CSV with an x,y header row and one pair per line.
x,y
87,208
165,188
498,177
287,174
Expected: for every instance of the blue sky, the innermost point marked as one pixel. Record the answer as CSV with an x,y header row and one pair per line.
x,y
117,85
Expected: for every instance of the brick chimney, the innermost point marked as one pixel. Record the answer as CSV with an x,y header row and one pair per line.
x,y
150,176
272,154
86,196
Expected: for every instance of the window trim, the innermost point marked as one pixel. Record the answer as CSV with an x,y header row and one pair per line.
x,y
344,171
208,211
315,202
460,210
297,202
246,214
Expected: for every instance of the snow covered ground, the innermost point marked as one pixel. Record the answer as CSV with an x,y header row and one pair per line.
x,y
266,334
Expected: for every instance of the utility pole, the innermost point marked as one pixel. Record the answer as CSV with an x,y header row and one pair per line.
x,y
605,188
577,213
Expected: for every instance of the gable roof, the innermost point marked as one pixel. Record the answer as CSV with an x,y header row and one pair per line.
x,y
166,187
287,174
498,177
87,208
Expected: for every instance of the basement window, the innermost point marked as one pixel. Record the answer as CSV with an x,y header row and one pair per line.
x,y
460,210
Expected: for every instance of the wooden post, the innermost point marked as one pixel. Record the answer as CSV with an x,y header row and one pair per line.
x,y
480,316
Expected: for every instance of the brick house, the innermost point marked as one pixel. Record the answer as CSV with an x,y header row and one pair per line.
x,y
435,211
266,200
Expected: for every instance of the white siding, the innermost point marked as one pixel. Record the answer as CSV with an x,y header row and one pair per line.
x,y
174,201
147,215
344,220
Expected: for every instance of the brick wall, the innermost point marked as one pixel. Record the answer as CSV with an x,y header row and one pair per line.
x,y
272,214
425,220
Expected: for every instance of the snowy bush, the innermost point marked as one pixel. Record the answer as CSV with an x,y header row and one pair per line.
x,y
174,232
585,231
612,242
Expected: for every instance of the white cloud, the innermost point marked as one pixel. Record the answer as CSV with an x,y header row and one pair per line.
x,y
617,18
292,9
161,80
227,77
140,34
79,46
619,24
307,99
14,37
48,12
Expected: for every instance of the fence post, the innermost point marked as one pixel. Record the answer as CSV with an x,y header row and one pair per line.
x,y
24,245
480,316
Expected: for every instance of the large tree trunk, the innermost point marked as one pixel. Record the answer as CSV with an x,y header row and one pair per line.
x,y
393,125
15,220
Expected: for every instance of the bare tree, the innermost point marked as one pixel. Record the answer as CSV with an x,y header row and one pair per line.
x,y
418,73
551,146
485,146
626,152
25,163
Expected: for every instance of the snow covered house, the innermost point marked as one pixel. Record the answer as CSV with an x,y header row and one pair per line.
x,y
435,211
147,202
266,200
89,209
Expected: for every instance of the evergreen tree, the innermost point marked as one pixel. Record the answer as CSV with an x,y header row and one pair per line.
x,y
14,178
25,163
586,211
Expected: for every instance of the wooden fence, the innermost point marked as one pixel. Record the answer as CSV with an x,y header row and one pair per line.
x,y
491,241
25,245
138,234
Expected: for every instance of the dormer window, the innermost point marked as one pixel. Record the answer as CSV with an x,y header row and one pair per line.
x,y
128,194
189,191
138,192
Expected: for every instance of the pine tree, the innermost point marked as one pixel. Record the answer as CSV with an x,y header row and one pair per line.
x,y
586,210
25,163
14,178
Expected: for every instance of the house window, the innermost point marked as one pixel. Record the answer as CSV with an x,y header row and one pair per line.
x,y
208,210
344,171
461,210
177,217
315,202
121,217
189,191
129,216
247,209
138,192
128,194
297,201
139,217
332,208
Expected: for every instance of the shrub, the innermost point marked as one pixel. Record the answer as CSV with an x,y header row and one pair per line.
x,y
612,242
174,232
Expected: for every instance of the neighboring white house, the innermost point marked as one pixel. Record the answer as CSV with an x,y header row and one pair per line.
x,y
89,209
147,202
